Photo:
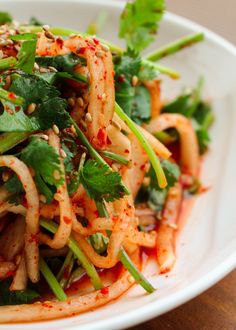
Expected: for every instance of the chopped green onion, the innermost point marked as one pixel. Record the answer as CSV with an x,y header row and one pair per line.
x,y
117,158
11,139
175,46
72,244
146,146
11,97
129,265
51,280
7,63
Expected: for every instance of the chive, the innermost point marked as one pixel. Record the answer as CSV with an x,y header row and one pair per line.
x,y
117,158
124,258
72,244
6,95
11,139
146,146
7,63
175,46
129,265
51,280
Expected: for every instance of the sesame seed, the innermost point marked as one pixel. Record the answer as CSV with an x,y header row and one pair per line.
x,y
88,117
56,175
73,35
131,279
173,225
99,53
31,108
104,97
134,81
58,197
55,129
1,54
116,124
49,35
71,101
62,153
36,66
105,48
83,123
46,27
43,70
80,101
73,130
5,176
51,68
42,198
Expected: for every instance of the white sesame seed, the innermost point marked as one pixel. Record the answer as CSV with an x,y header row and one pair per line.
x,y
46,27
62,153
42,198
36,66
99,53
80,101
131,279
31,108
5,176
51,68
83,123
56,175
73,130
88,117
71,101
173,225
58,197
134,81
55,129
105,48
104,97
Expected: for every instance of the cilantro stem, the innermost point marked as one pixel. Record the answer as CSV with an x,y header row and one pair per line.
x,y
137,275
162,69
11,139
165,137
124,258
175,46
7,63
11,97
146,146
72,244
117,158
51,280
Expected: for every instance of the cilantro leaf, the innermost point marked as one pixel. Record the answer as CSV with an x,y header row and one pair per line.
x,y
135,100
5,18
8,297
100,183
139,22
14,185
42,157
26,55
99,242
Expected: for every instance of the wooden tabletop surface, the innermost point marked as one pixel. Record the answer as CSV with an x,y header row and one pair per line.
x,y
215,309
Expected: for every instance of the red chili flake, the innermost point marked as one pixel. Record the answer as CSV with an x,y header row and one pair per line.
x,y
10,273
108,141
33,239
96,41
142,167
121,78
46,305
12,95
105,290
66,220
96,213
82,50
59,42
101,136
127,151
17,108
99,97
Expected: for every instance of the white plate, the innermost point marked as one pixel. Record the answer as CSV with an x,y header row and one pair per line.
x,y
207,246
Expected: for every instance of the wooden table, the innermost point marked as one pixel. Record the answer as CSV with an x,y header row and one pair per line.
x,y
213,310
